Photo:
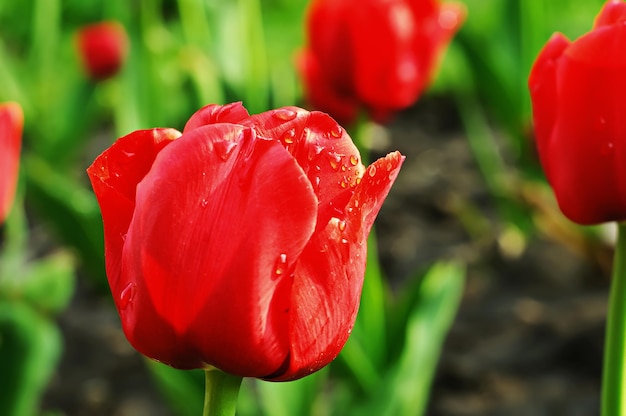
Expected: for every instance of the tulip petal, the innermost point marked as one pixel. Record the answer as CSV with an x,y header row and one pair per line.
x,y
613,12
321,147
219,222
321,94
542,84
114,176
586,150
329,274
214,113
389,74
11,125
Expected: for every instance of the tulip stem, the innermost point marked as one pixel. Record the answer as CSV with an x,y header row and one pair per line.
x,y
220,393
614,372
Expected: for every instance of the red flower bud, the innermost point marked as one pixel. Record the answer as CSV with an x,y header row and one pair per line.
x,y
578,92
11,124
241,242
376,54
102,49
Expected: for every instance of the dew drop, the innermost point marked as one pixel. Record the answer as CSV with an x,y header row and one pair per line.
x,y
343,184
285,114
336,132
354,160
335,160
372,171
127,295
342,225
288,136
316,183
128,154
314,150
281,265
224,148
204,203
344,241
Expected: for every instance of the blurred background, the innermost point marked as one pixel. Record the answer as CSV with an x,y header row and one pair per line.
x,y
491,302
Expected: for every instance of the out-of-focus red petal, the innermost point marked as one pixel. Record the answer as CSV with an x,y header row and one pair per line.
x,y
389,74
214,113
102,48
219,223
542,84
320,92
321,147
329,274
613,12
114,176
11,125
587,151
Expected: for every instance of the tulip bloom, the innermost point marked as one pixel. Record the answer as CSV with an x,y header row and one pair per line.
x,y
102,48
240,243
11,124
578,91
374,54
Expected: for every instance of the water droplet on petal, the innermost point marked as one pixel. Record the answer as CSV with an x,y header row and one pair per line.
x,y
288,136
128,154
354,160
224,148
372,171
316,183
335,160
285,114
335,132
127,295
204,202
313,151
281,265
342,225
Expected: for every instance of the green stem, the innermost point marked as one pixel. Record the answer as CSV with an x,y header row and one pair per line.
x,y
614,372
220,393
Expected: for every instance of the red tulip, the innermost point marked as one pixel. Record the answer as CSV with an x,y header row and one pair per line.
x,y
11,124
102,48
578,91
374,54
240,243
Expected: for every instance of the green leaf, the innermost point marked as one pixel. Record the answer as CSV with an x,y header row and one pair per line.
x,y
406,387
293,398
183,389
30,346
49,283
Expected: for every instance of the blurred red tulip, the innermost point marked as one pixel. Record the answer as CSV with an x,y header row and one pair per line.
x,y
11,124
374,54
102,49
240,243
578,92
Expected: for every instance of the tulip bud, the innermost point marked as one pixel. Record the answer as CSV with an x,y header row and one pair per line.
x,y
373,54
102,48
578,93
241,242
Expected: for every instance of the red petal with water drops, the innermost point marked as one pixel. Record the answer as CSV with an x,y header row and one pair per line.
x,y
114,177
214,113
329,274
11,124
321,147
219,222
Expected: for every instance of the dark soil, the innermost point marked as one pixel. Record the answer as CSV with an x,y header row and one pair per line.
x,y
528,337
